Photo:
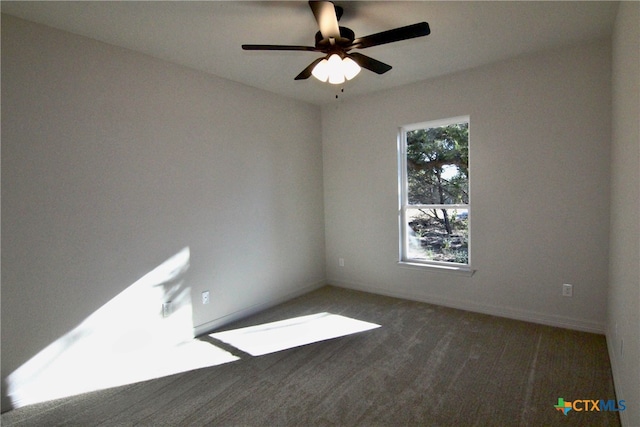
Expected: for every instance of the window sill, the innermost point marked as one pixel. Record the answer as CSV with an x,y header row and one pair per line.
x,y
449,269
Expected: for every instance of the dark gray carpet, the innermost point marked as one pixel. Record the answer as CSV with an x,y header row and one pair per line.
x,y
427,365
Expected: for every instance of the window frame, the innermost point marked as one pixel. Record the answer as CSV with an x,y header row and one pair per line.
x,y
404,205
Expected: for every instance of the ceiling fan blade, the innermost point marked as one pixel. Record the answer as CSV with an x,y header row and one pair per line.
x,y
369,63
403,33
278,47
306,73
325,14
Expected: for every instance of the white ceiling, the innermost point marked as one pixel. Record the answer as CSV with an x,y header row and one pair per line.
x,y
207,35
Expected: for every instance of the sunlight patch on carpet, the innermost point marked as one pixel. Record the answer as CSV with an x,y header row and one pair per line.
x,y
129,339
277,336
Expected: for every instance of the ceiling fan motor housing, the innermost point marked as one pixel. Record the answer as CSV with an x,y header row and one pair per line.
x,y
346,37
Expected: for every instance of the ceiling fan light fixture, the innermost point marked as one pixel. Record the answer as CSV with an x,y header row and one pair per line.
x,y
336,69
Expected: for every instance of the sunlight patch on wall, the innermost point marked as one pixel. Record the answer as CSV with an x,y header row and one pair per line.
x,y
125,341
276,336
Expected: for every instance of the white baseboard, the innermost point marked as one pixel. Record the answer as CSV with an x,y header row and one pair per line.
x,y
245,312
507,312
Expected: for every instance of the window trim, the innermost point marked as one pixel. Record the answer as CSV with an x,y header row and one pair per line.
x,y
403,202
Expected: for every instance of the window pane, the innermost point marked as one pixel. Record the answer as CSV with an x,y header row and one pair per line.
x,y
438,165
438,235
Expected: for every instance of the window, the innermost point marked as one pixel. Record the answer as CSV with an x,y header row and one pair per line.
x,y
434,193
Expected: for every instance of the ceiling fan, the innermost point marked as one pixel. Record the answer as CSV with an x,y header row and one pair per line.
x,y
337,42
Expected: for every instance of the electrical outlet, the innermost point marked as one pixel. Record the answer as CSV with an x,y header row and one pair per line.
x,y
205,297
341,262
567,290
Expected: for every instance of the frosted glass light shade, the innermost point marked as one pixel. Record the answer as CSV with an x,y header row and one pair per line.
x,y
350,68
336,76
321,70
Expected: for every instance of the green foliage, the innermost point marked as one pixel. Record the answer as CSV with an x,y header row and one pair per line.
x,y
433,152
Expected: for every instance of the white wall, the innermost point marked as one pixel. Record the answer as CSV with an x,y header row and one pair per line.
x,y
113,161
623,327
539,171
